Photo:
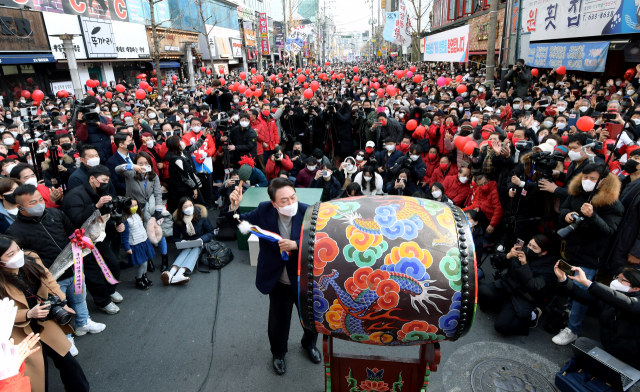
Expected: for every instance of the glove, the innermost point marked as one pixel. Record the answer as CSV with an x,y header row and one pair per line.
x,y
9,360
157,215
7,318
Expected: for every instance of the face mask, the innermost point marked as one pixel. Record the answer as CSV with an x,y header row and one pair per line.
x,y
280,99
383,122
36,210
588,185
236,100
102,188
618,83
289,210
185,110
444,167
583,109
414,157
196,129
152,115
127,108
349,167
367,179
561,125
636,121
631,166
66,146
91,162
16,261
390,147
328,174
130,147
436,194
359,158
561,109
474,119
244,124
8,116
481,89
463,179
9,141
311,168
527,107
149,143
32,181
575,155
516,107
530,254
464,94
133,209
188,211
630,92
615,285
549,124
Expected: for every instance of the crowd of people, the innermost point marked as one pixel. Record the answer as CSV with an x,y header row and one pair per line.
x,y
545,164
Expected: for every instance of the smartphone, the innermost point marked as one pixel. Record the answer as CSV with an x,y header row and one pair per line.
x,y
544,102
467,113
146,169
566,267
519,244
527,114
324,173
23,112
378,124
555,92
609,116
34,110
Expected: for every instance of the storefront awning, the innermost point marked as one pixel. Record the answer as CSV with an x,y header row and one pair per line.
x,y
579,56
167,64
27,58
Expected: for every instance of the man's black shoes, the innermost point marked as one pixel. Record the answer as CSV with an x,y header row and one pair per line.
x,y
314,355
279,366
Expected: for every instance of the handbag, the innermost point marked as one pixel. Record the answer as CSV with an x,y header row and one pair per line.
x,y
214,255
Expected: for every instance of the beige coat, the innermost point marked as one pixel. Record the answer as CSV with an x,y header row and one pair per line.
x,y
51,332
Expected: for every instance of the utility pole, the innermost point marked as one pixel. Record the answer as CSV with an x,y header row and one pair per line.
x,y
491,43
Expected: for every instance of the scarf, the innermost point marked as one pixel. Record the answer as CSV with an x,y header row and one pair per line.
x,y
487,164
191,231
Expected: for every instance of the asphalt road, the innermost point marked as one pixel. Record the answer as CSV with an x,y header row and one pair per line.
x,y
164,339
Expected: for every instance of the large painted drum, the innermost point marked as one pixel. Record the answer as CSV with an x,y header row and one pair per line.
x,y
388,270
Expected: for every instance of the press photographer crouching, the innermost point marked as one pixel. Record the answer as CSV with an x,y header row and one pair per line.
x,y
25,280
518,291
618,315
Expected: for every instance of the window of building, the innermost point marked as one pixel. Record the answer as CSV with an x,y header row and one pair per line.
x,y
451,15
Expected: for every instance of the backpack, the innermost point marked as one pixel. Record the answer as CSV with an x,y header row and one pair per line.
x,y
214,255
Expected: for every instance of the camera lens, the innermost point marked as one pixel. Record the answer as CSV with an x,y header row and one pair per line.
x,y
60,315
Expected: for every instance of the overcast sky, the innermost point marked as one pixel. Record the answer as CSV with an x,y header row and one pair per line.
x,y
352,15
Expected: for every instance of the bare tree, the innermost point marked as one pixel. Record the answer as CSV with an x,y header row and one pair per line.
x,y
208,16
419,12
156,37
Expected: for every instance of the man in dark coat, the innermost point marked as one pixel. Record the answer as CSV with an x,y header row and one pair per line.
x,y
390,127
343,138
520,78
243,141
98,134
220,98
276,276
413,162
122,155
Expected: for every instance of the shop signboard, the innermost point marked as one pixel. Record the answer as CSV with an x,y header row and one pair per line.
x,y
62,86
295,40
451,45
98,38
264,33
22,31
64,24
102,9
279,34
559,19
579,56
236,47
131,40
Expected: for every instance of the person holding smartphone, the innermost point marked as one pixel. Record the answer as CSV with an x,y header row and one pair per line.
x,y
324,179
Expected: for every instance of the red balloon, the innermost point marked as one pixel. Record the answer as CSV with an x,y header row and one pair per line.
x,y
278,90
108,94
120,88
375,79
253,71
242,88
272,77
202,69
248,93
327,63
174,77
341,76
260,78
305,85
391,90
412,68
355,69
469,147
307,71
209,90
90,92
561,70
60,94
163,82
448,81
356,78
301,78
308,93
141,94
365,80
279,74
459,78
299,70
412,124
585,123
318,69
253,87
149,89
26,94
222,82
417,79
382,68
173,81
534,72
254,80
208,71
380,92
376,85
314,86
104,84
461,141
30,80
461,89
243,75
154,71
144,85
400,74
221,71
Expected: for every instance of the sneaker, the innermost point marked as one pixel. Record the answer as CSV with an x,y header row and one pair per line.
x,y
116,297
90,327
534,323
500,248
165,278
73,350
111,308
179,278
564,337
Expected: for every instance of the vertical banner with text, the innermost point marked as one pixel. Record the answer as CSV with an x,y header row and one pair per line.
x,y
264,34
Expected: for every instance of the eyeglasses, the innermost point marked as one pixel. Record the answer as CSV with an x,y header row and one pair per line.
x,y
621,279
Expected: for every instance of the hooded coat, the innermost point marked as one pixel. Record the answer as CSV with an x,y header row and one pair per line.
x,y
488,202
587,246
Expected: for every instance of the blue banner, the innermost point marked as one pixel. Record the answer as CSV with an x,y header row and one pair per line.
x,y
578,56
390,25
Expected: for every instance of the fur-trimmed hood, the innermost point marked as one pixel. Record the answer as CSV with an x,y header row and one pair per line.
x,y
606,195
203,211
65,158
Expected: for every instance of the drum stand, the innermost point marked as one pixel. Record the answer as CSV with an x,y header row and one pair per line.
x,y
361,373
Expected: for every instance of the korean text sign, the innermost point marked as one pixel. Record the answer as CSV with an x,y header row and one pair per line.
x,y
582,56
264,33
452,45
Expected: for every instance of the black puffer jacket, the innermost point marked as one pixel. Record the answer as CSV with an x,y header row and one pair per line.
x,y
80,203
46,235
619,318
182,170
587,246
343,126
245,141
393,129
627,239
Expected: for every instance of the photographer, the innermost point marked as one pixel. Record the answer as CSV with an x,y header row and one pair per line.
x,y
277,162
97,133
387,158
243,140
402,185
79,204
342,126
589,218
298,160
220,98
325,180
518,292
618,311
315,120
520,78
28,283
413,162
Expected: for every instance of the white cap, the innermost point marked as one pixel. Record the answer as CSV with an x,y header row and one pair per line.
x,y
488,109
370,143
545,147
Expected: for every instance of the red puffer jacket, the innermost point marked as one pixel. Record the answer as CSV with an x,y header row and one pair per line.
x,y
487,200
439,176
455,190
274,167
431,167
437,139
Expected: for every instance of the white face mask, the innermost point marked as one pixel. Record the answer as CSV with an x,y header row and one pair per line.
x,y
414,157
32,181
527,107
575,155
516,106
91,162
289,210
328,174
390,147
152,115
17,261
9,141
436,194
474,119
636,121
615,285
630,92
149,143
561,109
244,124
588,185
583,108
349,167
188,211
236,100
463,179
312,168
549,124
481,89
497,112
367,179
359,158
561,125
235,117
196,129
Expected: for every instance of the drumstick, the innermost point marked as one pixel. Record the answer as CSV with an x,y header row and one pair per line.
x,y
244,173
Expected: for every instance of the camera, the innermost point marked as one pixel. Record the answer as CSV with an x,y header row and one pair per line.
x,y
519,68
406,162
595,144
546,162
499,264
116,207
566,232
523,145
56,310
609,116
88,113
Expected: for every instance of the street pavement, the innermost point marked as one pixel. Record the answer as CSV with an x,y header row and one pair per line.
x,y
211,335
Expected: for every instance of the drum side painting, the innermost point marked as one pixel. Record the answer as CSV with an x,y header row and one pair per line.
x,y
388,270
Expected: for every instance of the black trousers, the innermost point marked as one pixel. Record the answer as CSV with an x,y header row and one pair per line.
x,y
71,373
113,239
507,322
207,188
281,301
97,285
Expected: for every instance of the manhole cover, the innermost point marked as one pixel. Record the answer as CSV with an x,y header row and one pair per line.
x,y
504,375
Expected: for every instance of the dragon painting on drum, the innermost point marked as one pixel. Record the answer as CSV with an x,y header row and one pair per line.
x,y
388,270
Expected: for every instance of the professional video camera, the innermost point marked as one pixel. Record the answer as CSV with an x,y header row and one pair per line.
x,y
116,207
88,112
545,162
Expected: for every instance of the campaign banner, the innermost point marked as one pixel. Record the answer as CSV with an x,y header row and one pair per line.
x,y
102,9
295,40
236,47
451,45
558,19
264,33
579,56
403,23
390,26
